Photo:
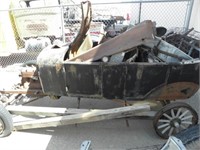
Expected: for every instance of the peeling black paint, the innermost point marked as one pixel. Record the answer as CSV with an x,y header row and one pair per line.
x,y
121,81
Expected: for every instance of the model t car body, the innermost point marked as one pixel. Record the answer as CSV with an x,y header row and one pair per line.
x,y
136,73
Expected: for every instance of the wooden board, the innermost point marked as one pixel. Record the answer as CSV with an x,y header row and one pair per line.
x,y
92,116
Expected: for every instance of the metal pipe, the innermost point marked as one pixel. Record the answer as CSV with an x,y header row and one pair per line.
x,y
141,1
125,2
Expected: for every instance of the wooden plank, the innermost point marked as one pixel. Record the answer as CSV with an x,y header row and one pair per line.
x,y
92,116
19,91
43,111
125,41
52,111
30,74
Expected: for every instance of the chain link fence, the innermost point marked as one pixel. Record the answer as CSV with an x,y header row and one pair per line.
x,y
36,28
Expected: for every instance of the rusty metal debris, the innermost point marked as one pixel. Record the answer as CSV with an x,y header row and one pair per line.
x,y
85,24
126,41
185,41
143,38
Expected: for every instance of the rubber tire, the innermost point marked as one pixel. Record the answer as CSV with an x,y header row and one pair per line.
x,y
6,118
168,107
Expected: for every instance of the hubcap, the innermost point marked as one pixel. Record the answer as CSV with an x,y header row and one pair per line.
x,y
176,124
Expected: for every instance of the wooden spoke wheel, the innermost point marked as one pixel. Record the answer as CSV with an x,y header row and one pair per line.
x,y
173,118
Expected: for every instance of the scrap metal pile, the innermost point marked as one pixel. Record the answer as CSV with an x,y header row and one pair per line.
x,y
140,44
186,40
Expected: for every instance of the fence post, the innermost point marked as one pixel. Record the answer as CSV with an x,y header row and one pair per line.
x,y
140,11
62,23
188,15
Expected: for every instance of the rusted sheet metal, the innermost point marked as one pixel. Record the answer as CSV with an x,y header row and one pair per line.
x,y
29,74
167,52
174,91
127,81
138,81
85,24
53,80
125,41
51,70
84,79
188,44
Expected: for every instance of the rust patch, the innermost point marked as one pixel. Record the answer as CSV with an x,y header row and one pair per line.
x,y
73,70
178,90
58,67
139,72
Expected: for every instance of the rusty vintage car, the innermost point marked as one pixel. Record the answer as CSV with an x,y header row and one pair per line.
x,y
136,65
